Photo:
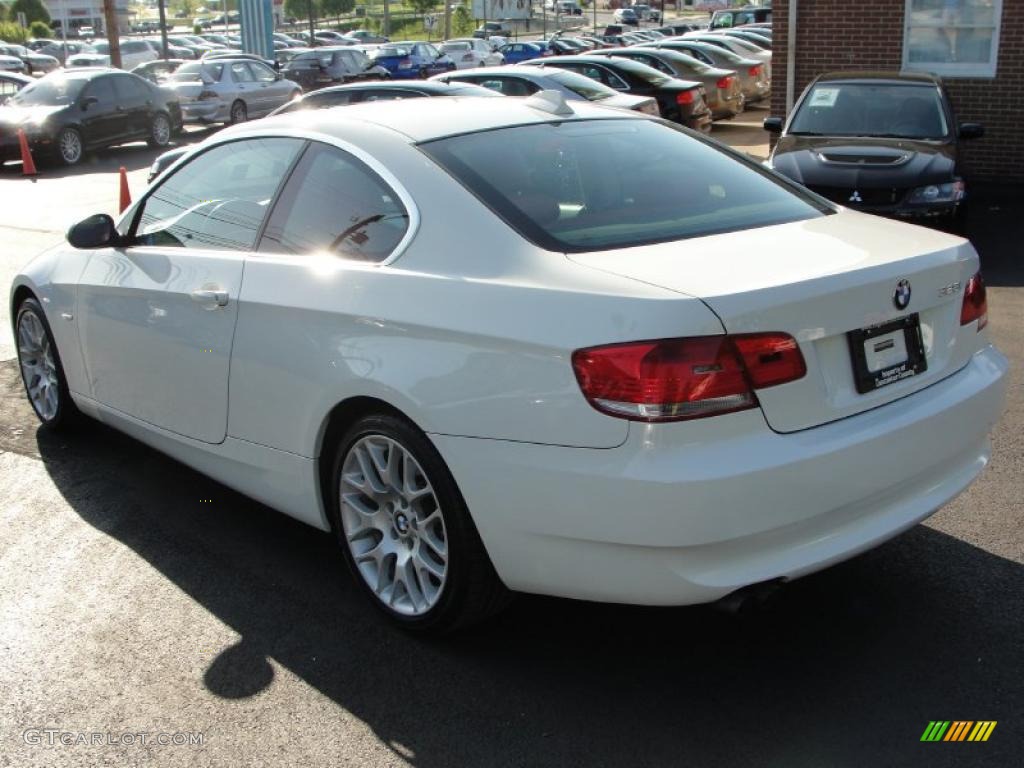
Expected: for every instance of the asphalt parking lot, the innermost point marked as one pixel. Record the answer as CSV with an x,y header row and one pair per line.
x,y
138,597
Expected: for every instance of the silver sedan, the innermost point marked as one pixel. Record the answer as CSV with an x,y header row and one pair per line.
x,y
229,90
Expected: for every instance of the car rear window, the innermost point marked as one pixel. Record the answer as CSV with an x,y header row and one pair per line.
x,y
579,84
591,185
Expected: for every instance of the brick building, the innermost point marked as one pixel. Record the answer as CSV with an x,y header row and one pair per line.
x,y
976,46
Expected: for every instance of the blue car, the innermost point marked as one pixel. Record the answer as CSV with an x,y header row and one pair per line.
x,y
517,53
411,60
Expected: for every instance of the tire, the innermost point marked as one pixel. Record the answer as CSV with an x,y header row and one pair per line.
x,y
70,146
239,112
42,373
159,131
424,74
414,551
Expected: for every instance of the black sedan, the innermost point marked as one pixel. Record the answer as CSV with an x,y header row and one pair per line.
x,y
65,114
881,142
332,65
681,101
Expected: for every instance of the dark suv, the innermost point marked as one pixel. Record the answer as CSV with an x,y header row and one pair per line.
x,y
332,65
880,142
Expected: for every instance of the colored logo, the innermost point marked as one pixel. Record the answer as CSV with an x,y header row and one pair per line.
x,y
958,730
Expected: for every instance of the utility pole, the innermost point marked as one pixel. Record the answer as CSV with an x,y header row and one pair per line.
x,y
163,28
447,19
387,19
113,33
312,29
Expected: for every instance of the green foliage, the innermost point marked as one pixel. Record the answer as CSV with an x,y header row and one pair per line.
x,y
335,8
462,22
12,33
39,29
300,9
422,6
197,30
34,10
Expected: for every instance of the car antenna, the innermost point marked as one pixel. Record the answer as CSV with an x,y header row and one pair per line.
x,y
549,101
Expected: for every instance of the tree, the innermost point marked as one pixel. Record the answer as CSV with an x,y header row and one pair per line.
x,y
34,10
299,9
38,29
336,7
423,7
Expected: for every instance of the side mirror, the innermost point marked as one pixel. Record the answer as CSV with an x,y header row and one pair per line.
x,y
971,130
88,101
772,124
94,232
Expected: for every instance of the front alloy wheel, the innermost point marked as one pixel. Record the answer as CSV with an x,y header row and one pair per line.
x,y
41,370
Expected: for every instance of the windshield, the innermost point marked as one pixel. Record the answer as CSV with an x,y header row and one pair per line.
x,y
686,63
581,185
591,90
872,109
103,48
735,60
50,91
17,50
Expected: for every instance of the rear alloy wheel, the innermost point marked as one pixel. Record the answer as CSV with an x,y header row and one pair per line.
x,y
239,114
69,145
405,531
41,370
159,131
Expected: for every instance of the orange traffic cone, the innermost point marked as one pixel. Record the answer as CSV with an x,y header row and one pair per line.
x,y
126,195
28,167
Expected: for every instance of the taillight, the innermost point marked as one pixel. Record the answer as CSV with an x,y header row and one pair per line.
x,y
207,95
677,379
467,57
724,82
684,97
754,71
975,303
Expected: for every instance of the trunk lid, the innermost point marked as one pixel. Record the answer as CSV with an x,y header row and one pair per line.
x,y
818,280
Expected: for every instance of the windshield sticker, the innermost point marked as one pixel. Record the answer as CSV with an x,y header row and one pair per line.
x,y
824,97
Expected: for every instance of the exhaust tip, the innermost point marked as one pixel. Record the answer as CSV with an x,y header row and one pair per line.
x,y
751,599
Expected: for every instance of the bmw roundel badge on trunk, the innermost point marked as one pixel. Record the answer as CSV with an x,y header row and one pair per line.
x,y
901,296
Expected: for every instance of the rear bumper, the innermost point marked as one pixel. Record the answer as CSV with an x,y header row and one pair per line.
x,y
689,512
205,111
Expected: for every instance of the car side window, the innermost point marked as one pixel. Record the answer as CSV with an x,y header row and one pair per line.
x,y
102,88
130,90
219,199
240,72
214,71
335,204
263,73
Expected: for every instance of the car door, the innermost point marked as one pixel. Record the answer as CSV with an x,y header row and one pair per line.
x,y
135,102
157,317
244,87
102,122
273,91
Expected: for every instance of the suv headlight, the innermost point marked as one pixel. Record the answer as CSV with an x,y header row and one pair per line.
x,y
950,192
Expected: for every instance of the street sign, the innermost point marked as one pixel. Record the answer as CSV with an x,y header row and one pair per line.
x,y
429,22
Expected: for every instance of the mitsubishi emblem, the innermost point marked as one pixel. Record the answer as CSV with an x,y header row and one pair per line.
x,y
901,296
856,198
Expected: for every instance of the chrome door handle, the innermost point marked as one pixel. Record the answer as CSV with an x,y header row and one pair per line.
x,y
210,298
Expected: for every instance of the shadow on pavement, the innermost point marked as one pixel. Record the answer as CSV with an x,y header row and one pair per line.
x,y
995,224
845,670
133,157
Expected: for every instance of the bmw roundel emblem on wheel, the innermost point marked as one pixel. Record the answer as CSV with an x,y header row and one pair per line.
x,y
901,296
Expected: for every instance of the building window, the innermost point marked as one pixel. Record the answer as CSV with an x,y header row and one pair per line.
x,y
952,38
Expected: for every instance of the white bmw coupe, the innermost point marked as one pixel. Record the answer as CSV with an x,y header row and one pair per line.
x,y
525,345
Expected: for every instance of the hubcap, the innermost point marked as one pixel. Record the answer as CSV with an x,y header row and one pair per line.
x,y
70,146
161,130
393,525
38,368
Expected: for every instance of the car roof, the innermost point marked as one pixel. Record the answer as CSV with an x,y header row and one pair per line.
x,y
420,120
881,75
